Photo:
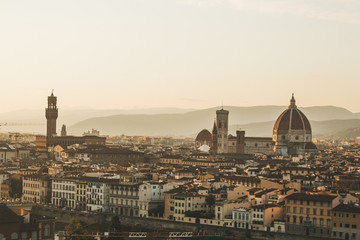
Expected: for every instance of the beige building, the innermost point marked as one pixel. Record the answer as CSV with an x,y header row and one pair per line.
x,y
346,221
184,202
36,189
124,197
224,209
263,216
309,214
64,192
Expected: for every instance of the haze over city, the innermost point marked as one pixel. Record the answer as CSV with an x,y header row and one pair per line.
x,y
179,119
136,54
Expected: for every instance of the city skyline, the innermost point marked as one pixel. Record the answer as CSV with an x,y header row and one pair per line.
x,y
184,54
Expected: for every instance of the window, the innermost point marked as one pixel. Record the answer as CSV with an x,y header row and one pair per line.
x,y
34,236
14,236
314,211
294,209
23,236
314,221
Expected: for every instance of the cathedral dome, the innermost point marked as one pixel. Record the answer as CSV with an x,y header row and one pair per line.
x,y
203,136
292,119
292,132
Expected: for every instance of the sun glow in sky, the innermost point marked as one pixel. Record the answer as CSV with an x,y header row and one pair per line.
x,y
179,53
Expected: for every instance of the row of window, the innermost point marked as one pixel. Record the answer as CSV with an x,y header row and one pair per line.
x,y
346,215
122,201
314,211
64,187
308,220
63,195
24,235
32,185
242,216
314,203
31,192
346,225
59,202
125,193
340,234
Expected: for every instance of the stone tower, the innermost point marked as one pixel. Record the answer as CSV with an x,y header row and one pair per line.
x,y
240,142
222,119
63,130
51,114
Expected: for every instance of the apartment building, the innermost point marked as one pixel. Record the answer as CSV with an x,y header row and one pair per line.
x,y
346,221
36,189
98,194
309,214
64,193
184,202
241,218
124,196
263,216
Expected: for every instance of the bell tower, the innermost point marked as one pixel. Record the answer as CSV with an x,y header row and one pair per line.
x,y
51,113
222,117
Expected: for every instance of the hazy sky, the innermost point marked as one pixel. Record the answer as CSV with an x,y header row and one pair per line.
x,y
179,53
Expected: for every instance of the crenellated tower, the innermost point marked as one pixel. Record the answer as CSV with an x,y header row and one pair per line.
x,y
51,113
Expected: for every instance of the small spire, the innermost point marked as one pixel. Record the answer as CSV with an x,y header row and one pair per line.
x,y
292,102
214,127
52,92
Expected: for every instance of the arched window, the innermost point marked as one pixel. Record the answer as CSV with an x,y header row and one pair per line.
x,y
14,236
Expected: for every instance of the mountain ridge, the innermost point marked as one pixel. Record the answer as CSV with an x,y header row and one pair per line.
x,y
189,123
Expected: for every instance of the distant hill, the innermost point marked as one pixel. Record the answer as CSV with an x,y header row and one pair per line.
x,y
328,128
72,116
256,121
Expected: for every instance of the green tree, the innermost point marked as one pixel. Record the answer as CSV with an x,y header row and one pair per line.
x,y
74,228
15,188
115,225
210,200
